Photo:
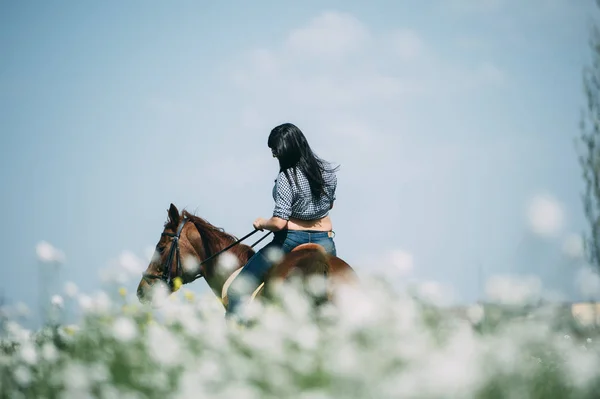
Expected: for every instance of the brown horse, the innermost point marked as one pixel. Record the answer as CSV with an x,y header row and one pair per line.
x,y
188,240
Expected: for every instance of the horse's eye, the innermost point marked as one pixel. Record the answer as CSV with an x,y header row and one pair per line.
x,y
160,250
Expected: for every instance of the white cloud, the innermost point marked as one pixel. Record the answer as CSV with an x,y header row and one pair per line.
x,y
330,35
470,6
251,118
336,69
545,215
265,61
489,73
386,106
407,44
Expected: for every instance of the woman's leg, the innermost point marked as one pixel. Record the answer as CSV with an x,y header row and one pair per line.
x,y
251,276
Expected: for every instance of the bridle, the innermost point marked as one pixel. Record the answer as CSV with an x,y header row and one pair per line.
x,y
167,275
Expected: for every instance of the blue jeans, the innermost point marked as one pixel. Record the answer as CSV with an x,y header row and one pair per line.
x,y
254,272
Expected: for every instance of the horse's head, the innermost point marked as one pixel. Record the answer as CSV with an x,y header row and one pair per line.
x,y
167,267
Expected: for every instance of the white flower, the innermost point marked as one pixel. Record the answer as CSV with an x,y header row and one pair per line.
x,y
545,215
401,260
434,292
22,309
48,254
357,308
190,264
513,290
16,332
274,254
160,294
71,289
475,313
49,352
85,302
22,375
77,379
28,353
162,345
98,372
150,254
124,329
227,263
102,302
57,301
129,262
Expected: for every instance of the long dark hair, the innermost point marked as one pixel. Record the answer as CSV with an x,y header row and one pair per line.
x,y
288,144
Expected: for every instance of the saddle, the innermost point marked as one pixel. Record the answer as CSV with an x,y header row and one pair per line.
x,y
261,286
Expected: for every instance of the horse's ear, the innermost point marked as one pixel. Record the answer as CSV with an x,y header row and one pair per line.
x,y
173,215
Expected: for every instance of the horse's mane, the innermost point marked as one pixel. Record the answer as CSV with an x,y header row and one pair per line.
x,y
215,238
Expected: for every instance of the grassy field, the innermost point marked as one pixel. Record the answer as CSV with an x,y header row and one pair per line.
x,y
375,343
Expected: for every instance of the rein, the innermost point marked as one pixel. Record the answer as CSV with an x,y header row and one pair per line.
x,y
167,275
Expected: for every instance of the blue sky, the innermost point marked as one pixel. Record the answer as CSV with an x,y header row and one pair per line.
x,y
447,117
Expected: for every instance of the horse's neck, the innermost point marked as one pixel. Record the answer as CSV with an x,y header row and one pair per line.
x,y
217,278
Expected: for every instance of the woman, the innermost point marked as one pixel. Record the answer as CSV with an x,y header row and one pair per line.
x,y
304,193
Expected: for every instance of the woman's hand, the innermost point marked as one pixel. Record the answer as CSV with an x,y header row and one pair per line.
x,y
259,224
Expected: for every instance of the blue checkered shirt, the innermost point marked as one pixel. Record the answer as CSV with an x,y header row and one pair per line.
x,y
296,201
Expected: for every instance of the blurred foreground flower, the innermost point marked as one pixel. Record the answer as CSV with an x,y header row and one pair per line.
x,y
71,289
545,215
70,329
48,254
57,301
129,262
189,295
514,290
124,329
376,342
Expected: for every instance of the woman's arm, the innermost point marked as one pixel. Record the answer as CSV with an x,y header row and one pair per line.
x,y
273,224
284,196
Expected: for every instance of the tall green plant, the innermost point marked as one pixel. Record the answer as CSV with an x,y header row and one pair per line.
x,y
589,154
